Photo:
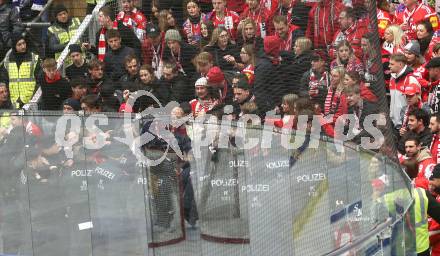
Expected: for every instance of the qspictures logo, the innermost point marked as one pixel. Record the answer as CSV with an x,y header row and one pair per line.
x,y
209,132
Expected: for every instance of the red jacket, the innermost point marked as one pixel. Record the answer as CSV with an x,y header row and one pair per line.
x,y
136,20
323,22
287,43
353,34
422,75
336,104
367,94
231,16
434,148
262,20
411,19
236,5
148,51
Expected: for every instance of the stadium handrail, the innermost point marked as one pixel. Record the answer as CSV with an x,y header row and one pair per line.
x,y
33,103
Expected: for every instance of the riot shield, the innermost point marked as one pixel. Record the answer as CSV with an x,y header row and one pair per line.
x,y
219,174
309,186
49,204
268,187
117,204
15,226
164,200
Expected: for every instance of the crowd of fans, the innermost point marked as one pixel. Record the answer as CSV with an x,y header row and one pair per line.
x,y
292,57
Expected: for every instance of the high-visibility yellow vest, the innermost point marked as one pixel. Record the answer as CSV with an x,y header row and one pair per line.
x,y
64,36
22,83
419,211
421,219
5,120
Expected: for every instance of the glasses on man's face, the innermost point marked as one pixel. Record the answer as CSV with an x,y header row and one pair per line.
x,y
223,35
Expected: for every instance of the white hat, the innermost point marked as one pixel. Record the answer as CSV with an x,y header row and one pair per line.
x,y
201,82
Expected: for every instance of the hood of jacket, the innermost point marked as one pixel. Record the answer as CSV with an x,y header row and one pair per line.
x,y
423,155
402,75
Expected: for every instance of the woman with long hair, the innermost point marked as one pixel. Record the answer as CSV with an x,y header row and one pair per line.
x,y
167,21
345,58
206,28
192,27
248,34
154,15
147,82
248,60
289,112
413,55
336,102
424,36
224,52
394,40
352,79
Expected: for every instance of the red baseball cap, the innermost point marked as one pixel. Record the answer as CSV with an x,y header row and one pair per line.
x,y
215,75
411,89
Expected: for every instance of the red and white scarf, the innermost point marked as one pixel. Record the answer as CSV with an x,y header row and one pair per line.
x,y
314,83
286,44
332,101
102,44
204,106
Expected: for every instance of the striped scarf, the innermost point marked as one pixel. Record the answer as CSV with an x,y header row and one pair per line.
x,y
332,101
102,44
315,84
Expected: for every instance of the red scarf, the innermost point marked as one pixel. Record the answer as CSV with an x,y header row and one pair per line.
x,y
286,44
102,45
55,78
314,83
332,101
204,105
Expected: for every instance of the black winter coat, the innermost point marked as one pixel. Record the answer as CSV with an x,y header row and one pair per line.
x,y
267,84
128,38
218,55
291,71
53,94
187,53
9,23
114,62
180,89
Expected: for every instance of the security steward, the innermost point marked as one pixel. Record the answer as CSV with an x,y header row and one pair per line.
x,y
20,70
62,30
423,207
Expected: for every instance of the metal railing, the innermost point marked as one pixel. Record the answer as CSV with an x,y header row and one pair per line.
x,y
33,103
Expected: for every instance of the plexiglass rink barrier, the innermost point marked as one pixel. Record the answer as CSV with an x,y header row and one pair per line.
x,y
74,185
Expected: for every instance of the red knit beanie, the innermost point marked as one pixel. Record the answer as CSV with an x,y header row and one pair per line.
x,y
272,45
215,75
